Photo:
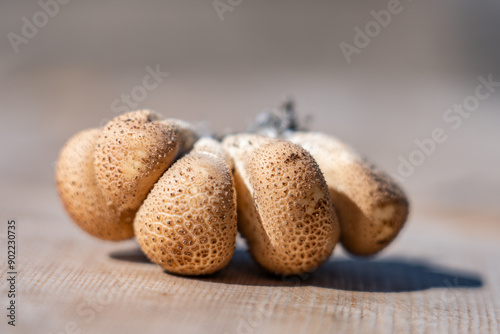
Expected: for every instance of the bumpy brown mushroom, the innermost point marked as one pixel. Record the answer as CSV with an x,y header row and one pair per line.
x,y
371,207
133,151
80,194
188,222
285,211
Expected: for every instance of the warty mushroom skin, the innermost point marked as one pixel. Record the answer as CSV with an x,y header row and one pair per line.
x,y
285,211
370,205
188,222
80,194
131,154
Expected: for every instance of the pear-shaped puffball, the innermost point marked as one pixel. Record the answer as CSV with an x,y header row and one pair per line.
x,y
188,222
80,194
371,207
133,151
285,211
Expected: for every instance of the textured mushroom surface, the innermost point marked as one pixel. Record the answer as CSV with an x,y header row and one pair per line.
x,y
284,208
188,222
210,145
186,134
80,194
371,207
133,151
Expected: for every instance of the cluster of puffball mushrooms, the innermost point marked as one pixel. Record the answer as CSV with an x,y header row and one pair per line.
x,y
291,193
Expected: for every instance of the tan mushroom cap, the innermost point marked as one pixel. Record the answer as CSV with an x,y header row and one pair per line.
x,y
133,151
284,208
80,194
371,207
188,222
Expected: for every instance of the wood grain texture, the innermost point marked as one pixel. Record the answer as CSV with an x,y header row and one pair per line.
x,y
441,275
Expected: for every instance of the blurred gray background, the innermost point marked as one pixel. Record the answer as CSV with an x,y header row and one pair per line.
x,y
395,91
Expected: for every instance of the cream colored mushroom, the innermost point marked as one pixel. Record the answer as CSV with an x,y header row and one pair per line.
x,y
371,207
188,222
133,151
80,194
210,145
285,211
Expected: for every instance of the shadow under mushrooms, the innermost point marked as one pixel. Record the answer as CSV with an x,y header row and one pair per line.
x,y
389,275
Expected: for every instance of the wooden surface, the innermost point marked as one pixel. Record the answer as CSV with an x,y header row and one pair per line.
x,y
442,274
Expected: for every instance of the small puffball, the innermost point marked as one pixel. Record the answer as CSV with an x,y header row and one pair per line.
x,y
285,211
188,222
80,194
133,151
371,207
